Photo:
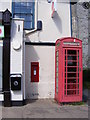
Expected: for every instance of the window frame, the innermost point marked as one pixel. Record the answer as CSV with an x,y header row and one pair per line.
x,y
25,14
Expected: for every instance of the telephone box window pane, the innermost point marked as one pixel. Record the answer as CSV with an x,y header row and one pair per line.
x,y
69,69
57,69
71,80
57,85
71,86
57,53
71,52
57,75
71,72
71,92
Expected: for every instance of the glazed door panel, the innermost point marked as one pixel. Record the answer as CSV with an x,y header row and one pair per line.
x,y
71,72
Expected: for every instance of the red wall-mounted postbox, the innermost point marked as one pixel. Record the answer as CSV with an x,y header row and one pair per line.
x,y
34,71
68,70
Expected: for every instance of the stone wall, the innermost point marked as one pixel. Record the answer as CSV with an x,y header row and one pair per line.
x,y
89,39
80,28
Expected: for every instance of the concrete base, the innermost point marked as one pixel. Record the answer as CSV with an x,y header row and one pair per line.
x,y
45,109
18,103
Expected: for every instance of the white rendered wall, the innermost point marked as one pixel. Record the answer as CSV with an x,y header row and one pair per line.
x,y
16,65
52,28
57,27
16,56
5,4
45,55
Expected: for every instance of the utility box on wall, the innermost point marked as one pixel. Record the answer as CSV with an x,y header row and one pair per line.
x,y
68,70
15,82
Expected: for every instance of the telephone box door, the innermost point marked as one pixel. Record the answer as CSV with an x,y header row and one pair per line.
x,y
72,73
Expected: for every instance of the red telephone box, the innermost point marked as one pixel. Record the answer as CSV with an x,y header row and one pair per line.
x,y
68,70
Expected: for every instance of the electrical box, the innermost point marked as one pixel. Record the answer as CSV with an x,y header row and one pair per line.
x,y
15,82
68,70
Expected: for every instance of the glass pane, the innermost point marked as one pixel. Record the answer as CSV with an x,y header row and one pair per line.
x,y
71,86
29,10
57,72
78,71
71,52
65,92
57,75
30,4
57,69
26,25
71,80
57,85
57,58
23,4
17,10
71,63
17,4
71,69
57,53
24,10
57,63
17,15
22,16
72,57
71,92
71,74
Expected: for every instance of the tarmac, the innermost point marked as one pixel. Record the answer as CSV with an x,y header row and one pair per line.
x,y
45,108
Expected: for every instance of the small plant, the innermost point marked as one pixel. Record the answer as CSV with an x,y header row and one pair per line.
x,y
77,103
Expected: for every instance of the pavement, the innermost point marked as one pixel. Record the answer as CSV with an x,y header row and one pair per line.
x,y
45,108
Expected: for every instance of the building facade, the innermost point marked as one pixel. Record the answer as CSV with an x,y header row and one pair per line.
x,y
35,27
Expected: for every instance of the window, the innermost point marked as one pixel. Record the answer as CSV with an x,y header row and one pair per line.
x,y
24,10
34,71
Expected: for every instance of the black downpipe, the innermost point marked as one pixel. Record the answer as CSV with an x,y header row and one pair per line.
x,y
6,58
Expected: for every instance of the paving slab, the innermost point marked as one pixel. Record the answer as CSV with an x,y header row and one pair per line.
x,y
47,108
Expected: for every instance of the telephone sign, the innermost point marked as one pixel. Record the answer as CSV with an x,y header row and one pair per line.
x,y
1,31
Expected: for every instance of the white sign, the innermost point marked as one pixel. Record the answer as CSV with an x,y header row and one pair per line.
x,y
1,31
71,43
